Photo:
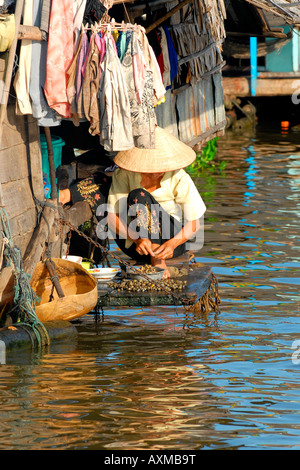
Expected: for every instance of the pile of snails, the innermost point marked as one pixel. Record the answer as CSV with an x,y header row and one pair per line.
x,y
136,285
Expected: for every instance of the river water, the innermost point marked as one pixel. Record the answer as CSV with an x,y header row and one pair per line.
x,y
153,379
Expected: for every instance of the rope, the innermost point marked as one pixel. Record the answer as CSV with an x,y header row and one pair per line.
x,y
189,304
23,309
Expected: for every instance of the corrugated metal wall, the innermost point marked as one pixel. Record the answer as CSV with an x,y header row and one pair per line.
x,y
194,113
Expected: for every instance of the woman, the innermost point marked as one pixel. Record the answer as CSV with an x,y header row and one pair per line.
x,y
153,207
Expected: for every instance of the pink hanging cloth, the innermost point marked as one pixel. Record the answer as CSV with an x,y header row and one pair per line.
x,y
59,55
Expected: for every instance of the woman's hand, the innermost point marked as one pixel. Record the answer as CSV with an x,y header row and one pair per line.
x,y
144,246
166,250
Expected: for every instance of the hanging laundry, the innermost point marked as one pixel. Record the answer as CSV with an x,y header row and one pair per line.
x,y
122,43
40,108
7,32
101,42
71,85
7,6
139,67
59,55
78,13
173,59
160,56
82,55
165,54
151,62
139,81
90,85
94,11
115,116
22,79
45,18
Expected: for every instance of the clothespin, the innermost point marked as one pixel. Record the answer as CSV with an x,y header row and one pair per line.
x,y
108,30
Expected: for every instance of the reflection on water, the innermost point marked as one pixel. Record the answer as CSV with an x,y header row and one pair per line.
x,y
157,378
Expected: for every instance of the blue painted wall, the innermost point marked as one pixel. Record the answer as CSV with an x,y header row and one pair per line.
x,y
287,59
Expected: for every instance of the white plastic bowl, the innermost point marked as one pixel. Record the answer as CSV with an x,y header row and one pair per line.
x,y
104,274
74,259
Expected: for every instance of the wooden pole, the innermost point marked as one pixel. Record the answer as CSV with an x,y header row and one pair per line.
x,y
263,35
54,278
10,64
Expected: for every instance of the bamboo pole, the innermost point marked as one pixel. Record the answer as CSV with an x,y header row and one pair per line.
x,y
10,64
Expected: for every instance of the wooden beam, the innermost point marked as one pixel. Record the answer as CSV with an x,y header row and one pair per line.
x,y
32,33
167,15
268,34
240,86
154,5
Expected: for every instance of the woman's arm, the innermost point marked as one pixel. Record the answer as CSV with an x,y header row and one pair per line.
x,y
143,245
64,196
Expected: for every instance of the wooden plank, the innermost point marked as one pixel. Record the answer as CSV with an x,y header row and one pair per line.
x,y
6,285
21,227
13,129
13,163
240,86
23,223
268,34
17,197
1,196
21,241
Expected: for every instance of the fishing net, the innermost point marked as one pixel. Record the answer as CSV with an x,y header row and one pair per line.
x,y
22,310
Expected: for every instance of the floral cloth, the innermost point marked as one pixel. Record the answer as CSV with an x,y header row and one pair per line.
x,y
59,55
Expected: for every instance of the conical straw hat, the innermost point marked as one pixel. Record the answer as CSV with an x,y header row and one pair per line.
x,y
169,154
